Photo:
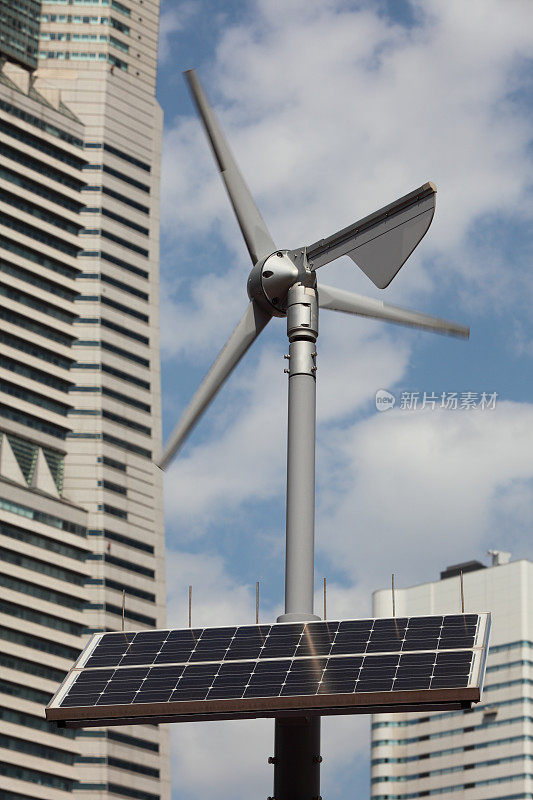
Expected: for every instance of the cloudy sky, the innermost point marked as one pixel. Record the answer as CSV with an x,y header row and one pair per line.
x,y
334,108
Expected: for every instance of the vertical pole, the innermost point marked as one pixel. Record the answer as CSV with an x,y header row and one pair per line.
x,y
190,606
297,739
123,607
302,330
325,598
393,598
257,604
462,595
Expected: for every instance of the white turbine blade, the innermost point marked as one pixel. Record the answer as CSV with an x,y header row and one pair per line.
x,y
252,323
382,242
350,303
258,240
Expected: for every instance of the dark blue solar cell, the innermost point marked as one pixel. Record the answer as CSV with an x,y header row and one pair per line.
x,y
193,693
413,682
263,690
154,696
115,698
449,682
225,693
78,700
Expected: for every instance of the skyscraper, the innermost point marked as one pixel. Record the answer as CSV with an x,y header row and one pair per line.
x,y
80,418
480,754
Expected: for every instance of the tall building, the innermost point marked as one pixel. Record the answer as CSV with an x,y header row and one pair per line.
x,y
80,408
19,31
484,753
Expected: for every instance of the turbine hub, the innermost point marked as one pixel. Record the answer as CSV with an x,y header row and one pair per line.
x,y
271,279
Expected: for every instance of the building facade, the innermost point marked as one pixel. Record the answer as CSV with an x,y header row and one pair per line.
x,y
80,408
485,753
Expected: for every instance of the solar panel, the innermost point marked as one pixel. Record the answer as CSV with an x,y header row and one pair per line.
x,y
330,667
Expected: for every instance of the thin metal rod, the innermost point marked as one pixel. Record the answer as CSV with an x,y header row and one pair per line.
x,y
393,598
190,606
123,607
257,603
325,598
462,594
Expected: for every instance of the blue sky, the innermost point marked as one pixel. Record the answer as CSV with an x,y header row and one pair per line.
x,y
334,109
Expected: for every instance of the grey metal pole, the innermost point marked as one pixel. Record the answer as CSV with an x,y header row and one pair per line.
x,y
302,331
297,739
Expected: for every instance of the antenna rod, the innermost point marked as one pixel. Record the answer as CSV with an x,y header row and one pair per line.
x,y
324,598
190,606
123,607
462,594
257,603
393,598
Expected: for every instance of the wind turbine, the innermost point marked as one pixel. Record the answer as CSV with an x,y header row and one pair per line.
x,y
282,283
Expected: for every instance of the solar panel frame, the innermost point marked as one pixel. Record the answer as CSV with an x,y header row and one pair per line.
x,y
265,694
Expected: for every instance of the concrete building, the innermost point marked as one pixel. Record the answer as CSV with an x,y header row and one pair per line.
x,y
485,753
80,418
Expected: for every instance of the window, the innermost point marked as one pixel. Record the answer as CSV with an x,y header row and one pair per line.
x,y
122,198
36,327
40,618
125,221
29,396
126,540
44,567
124,287
38,188
134,741
124,243
113,487
120,175
38,540
128,565
115,512
40,144
34,374
32,589
131,401
37,280
37,166
127,422
39,235
34,350
120,263
31,667
39,305
124,309
34,748
36,423
40,516
35,255
36,776
45,646
125,376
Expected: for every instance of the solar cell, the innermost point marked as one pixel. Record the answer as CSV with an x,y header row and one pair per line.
x,y
343,666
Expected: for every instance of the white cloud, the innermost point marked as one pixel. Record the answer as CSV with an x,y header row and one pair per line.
x,y
172,20
425,487
334,110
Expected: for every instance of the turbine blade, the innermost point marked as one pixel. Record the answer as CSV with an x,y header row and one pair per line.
x,y
350,303
258,240
252,323
382,242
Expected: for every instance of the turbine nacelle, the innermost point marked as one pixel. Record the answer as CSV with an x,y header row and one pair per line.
x,y
270,280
